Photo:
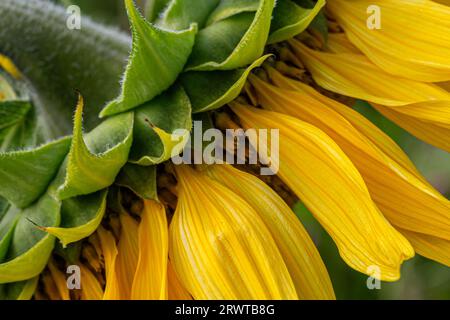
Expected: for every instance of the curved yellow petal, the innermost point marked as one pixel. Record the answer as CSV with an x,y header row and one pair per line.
x,y
413,40
319,172
219,246
339,43
60,280
109,252
7,65
50,288
150,280
421,108
403,195
176,290
90,286
433,248
355,76
363,125
127,257
436,135
300,255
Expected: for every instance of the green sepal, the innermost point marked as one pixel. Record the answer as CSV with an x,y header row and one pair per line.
x,y
153,8
22,290
7,224
157,58
290,19
139,179
80,217
155,122
180,14
26,174
30,247
212,90
234,42
230,8
12,112
94,162
71,254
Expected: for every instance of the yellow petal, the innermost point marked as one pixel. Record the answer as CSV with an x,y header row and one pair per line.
x,y
109,250
219,246
60,280
176,290
339,43
421,108
50,288
415,205
435,135
431,247
127,257
90,287
317,170
7,65
300,255
413,40
150,280
355,76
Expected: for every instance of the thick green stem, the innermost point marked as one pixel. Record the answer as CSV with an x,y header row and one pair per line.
x,y
57,61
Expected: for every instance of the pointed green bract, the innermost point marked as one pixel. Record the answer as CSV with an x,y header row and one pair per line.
x,y
30,247
157,58
139,179
291,19
93,163
80,217
154,124
25,175
234,42
212,90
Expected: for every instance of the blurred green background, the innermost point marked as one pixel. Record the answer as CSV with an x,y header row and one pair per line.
x,y
421,278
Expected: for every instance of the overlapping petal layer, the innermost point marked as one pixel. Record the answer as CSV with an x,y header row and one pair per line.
x,y
219,246
300,255
332,188
421,108
402,194
413,38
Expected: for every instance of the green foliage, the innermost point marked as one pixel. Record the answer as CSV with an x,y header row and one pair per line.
x,y
188,56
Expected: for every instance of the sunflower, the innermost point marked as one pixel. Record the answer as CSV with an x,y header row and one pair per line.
x,y
94,208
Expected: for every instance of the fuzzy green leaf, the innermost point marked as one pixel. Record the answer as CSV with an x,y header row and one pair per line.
x,y
93,163
157,58
80,217
234,42
25,174
30,247
212,90
290,19
139,179
155,121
